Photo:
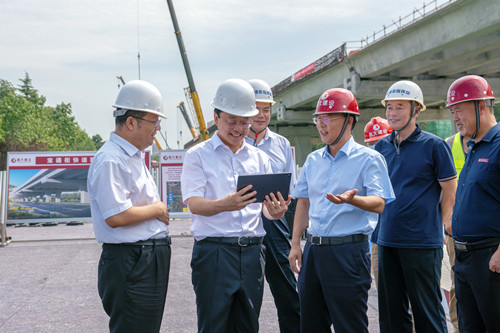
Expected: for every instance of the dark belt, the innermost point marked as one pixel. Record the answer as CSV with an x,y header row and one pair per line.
x,y
466,246
320,240
240,241
148,242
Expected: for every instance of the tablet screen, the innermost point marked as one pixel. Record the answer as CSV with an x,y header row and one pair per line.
x,y
266,183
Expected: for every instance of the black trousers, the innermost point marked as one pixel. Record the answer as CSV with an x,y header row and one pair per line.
x,y
228,281
333,288
410,276
478,291
132,284
279,275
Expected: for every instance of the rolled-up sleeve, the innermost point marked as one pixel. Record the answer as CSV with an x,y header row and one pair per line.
x,y
111,189
193,179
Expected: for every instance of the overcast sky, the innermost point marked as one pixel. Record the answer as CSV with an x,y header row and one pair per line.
x,y
73,50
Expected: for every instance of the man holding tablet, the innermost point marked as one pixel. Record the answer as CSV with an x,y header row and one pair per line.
x,y
228,255
340,191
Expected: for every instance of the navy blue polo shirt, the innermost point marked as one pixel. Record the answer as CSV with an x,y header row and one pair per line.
x,y
476,214
414,219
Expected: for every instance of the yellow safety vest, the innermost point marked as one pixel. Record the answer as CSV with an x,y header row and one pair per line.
x,y
458,153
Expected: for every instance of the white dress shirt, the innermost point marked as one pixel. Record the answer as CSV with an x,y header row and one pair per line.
x,y
117,180
211,171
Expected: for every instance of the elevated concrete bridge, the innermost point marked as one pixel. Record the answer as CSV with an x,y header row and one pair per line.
x,y
451,39
48,182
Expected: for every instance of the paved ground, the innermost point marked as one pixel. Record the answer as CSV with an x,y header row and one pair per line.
x,y
48,283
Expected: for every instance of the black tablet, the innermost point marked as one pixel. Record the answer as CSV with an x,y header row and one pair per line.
x,y
266,183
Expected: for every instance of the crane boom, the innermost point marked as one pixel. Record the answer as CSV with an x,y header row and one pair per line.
x,y
187,119
192,88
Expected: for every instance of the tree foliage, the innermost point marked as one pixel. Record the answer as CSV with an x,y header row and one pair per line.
x,y
97,141
27,124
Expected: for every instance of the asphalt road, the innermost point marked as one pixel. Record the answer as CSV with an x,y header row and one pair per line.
x,y
48,283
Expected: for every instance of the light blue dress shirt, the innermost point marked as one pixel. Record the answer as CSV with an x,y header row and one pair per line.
x,y
117,180
278,149
354,167
210,171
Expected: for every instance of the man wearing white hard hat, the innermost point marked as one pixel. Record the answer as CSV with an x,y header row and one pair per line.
x,y
279,274
228,255
128,216
410,238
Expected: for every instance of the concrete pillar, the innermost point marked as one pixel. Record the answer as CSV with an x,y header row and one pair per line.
x,y
300,137
47,197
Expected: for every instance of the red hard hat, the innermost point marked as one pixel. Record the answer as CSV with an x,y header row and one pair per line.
x,y
376,129
337,100
468,88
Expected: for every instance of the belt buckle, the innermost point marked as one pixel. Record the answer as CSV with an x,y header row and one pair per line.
x,y
316,240
461,246
243,244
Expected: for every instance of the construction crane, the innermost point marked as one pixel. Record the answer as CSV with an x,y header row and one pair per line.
x,y
121,79
188,120
192,88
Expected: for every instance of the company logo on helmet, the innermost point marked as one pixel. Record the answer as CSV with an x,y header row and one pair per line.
x,y
325,95
398,91
376,127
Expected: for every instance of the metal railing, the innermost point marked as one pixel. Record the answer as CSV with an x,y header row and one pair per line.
x,y
339,54
330,59
396,25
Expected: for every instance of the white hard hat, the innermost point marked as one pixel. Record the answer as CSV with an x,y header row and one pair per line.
x,y
262,90
138,95
236,97
405,90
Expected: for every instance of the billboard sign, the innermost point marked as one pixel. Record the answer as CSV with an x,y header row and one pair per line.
x,y
48,186
171,162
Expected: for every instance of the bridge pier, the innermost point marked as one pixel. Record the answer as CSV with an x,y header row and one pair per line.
x,y
300,137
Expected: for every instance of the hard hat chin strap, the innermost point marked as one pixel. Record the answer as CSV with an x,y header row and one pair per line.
x,y
341,132
397,133
256,135
476,104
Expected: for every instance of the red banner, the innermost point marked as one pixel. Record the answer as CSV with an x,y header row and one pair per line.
x,y
303,71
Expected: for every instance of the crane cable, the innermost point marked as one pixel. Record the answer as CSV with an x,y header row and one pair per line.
x,y
138,43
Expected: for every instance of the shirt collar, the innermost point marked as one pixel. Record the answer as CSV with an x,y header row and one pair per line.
x,y
217,142
346,149
412,138
492,133
129,148
269,134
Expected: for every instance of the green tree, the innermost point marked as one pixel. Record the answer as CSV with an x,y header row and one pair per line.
x,y
98,142
26,124
28,92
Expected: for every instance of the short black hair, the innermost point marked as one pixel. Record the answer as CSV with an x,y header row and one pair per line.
x,y
217,112
120,120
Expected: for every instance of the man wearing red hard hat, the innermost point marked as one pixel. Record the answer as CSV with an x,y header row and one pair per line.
x,y
341,190
475,223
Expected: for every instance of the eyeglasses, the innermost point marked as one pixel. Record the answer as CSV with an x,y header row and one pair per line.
x,y
325,120
233,124
156,123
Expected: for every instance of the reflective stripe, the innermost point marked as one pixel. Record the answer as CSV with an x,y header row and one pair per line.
x,y
458,154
